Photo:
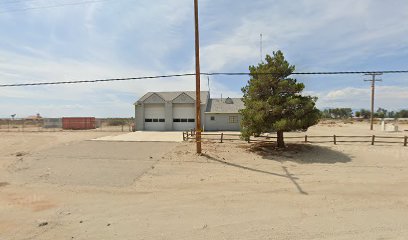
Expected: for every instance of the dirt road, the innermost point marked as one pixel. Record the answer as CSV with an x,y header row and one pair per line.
x,y
231,192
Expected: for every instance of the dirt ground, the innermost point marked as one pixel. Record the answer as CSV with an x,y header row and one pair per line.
x,y
59,186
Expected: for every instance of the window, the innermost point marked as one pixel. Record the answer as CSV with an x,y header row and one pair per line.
x,y
184,120
148,120
162,120
176,120
212,118
233,119
155,120
191,120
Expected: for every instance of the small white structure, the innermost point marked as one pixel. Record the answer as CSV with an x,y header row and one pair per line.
x,y
389,127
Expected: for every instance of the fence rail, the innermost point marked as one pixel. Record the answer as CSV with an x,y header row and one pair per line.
x,y
335,139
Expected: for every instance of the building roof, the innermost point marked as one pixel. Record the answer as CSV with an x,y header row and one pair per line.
x,y
170,96
228,105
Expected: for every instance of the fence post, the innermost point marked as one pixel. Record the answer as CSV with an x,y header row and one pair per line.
x,y
405,141
122,127
184,136
249,139
222,136
305,138
373,140
334,140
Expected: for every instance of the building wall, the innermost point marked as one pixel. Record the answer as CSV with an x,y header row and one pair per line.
x,y
203,108
169,115
221,122
139,117
140,111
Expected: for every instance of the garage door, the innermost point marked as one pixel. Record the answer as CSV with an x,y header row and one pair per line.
x,y
154,117
183,117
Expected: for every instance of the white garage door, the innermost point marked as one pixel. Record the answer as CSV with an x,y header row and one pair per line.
x,y
183,117
154,117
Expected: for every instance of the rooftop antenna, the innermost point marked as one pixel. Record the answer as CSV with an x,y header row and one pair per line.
x,y
260,47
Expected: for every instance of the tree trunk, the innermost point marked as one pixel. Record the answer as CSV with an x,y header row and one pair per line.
x,y
280,141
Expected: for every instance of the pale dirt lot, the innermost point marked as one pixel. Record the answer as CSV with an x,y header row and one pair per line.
x,y
107,190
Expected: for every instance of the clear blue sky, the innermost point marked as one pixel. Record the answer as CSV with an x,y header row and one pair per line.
x,y
124,38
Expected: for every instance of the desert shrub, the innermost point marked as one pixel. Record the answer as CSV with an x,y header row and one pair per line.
x,y
117,122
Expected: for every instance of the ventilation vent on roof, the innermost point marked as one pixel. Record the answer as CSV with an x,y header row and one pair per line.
x,y
229,101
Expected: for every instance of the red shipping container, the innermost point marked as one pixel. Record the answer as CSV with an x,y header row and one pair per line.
x,y
78,123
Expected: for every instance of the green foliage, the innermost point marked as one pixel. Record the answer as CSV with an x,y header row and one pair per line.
x,y
383,113
337,113
392,114
273,102
402,114
364,113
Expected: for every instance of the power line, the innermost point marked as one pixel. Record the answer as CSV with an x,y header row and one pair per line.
x,y
97,80
4,3
311,73
193,74
17,2
54,6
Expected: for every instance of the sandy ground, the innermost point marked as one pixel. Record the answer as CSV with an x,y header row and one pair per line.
x,y
144,136
107,190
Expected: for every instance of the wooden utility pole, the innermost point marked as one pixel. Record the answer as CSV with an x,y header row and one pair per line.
x,y
198,90
373,80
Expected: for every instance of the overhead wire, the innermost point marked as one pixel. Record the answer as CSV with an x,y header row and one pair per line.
x,y
193,74
5,3
96,80
313,73
53,6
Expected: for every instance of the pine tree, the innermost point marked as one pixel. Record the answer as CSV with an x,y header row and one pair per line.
x,y
273,102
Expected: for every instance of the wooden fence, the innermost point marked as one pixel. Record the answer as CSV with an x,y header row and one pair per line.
x,y
335,139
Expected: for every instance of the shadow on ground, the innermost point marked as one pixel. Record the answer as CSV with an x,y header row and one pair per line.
x,y
243,167
286,174
299,153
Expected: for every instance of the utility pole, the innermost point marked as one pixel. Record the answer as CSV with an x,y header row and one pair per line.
x,y
372,80
198,90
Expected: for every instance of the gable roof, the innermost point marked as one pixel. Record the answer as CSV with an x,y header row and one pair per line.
x,y
153,95
217,105
170,96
